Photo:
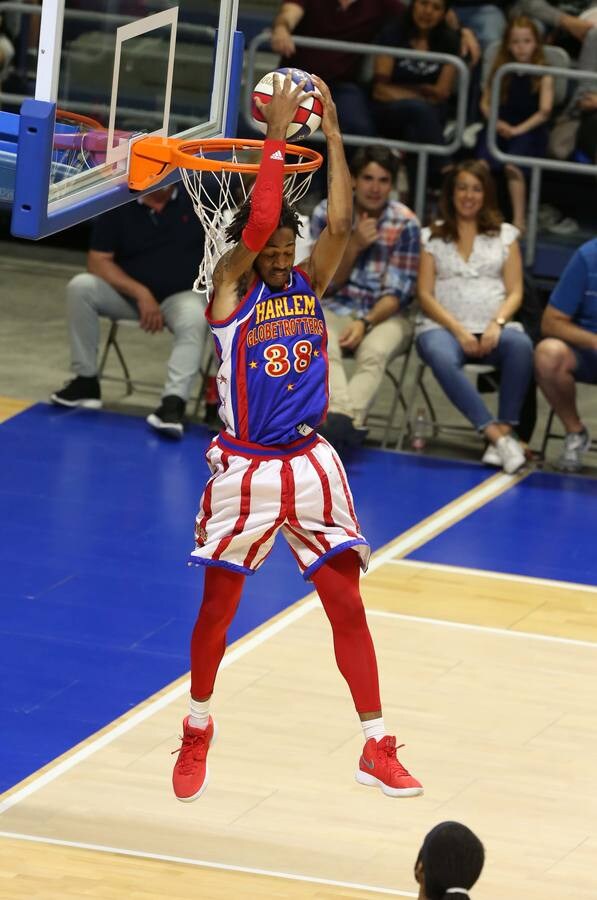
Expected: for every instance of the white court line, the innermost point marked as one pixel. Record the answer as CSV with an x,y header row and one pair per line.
x,y
501,576
485,491
204,864
103,740
457,510
443,519
484,629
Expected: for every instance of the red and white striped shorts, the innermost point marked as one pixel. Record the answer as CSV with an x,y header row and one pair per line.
x,y
256,491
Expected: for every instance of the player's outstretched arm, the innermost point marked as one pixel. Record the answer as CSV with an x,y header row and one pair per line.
x,y
329,247
233,270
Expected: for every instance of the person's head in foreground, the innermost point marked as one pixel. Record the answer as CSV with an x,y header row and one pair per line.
x,y
449,862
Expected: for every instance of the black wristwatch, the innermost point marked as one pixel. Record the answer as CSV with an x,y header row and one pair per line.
x,y
366,322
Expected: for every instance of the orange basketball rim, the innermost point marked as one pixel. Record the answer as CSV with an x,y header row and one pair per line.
x,y
153,158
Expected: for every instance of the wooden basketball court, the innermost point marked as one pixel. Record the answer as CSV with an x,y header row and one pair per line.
x,y
488,677
490,681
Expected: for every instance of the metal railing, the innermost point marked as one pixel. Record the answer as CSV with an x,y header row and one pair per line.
x,y
537,164
204,31
422,151
103,17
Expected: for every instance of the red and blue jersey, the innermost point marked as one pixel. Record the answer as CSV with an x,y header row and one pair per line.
x,y
273,374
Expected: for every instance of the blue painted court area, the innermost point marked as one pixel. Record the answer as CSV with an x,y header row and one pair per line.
x,y
97,600
544,527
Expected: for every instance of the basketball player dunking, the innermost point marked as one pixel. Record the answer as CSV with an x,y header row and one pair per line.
x,y
270,469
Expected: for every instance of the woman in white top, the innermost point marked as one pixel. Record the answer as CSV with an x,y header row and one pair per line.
x,y
470,287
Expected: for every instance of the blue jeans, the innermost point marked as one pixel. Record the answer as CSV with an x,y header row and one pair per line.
x,y
419,122
88,297
513,356
486,21
353,106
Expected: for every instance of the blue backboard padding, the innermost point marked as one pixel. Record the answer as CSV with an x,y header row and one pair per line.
x,y
8,167
9,126
97,600
544,527
9,129
30,216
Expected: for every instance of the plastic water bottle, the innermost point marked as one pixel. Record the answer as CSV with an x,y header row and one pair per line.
x,y
421,430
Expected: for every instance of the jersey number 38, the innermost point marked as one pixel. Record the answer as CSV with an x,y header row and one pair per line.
x,y
278,363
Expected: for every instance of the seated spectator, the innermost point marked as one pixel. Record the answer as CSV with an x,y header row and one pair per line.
x,y
470,287
586,139
569,351
449,862
563,15
582,109
365,304
338,20
142,262
526,103
411,95
486,20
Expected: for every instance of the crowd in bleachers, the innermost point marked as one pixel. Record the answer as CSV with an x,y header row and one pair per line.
x,y
469,241
473,295
412,99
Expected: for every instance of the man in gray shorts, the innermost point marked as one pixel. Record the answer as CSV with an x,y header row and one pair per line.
x,y
143,260
569,352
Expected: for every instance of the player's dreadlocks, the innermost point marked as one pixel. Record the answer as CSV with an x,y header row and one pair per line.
x,y
288,219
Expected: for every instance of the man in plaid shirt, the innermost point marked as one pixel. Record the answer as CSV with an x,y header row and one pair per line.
x,y
366,305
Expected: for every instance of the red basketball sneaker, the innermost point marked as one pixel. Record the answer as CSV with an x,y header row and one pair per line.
x,y
379,766
191,775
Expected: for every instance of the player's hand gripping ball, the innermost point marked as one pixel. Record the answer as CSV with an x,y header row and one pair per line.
x,y
307,117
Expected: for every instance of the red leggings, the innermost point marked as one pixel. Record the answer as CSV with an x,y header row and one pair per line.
x,y
337,583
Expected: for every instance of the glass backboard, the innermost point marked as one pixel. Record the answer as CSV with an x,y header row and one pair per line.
x,y
119,70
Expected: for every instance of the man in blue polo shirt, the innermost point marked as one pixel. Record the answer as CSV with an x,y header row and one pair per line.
x,y
569,351
142,262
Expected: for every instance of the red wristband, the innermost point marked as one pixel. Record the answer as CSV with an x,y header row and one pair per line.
x,y
266,199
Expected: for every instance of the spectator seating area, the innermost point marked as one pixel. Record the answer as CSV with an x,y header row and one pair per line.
x,y
562,220
560,213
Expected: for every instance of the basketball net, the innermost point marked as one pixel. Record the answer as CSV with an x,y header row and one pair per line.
x,y
217,196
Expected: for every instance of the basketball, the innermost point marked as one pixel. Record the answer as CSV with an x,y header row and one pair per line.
x,y
307,117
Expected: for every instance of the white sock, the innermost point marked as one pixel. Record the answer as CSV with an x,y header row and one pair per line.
x,y
374,728
199,713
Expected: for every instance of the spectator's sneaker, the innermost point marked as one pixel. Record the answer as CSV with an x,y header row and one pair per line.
x,y
80,391
511,454
191,775
470,135
491,457
566,225
168,417
341,433
548,215
575,444
380,767
337,430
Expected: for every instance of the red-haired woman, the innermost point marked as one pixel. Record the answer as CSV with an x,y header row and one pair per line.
x,y
526,103
470,287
